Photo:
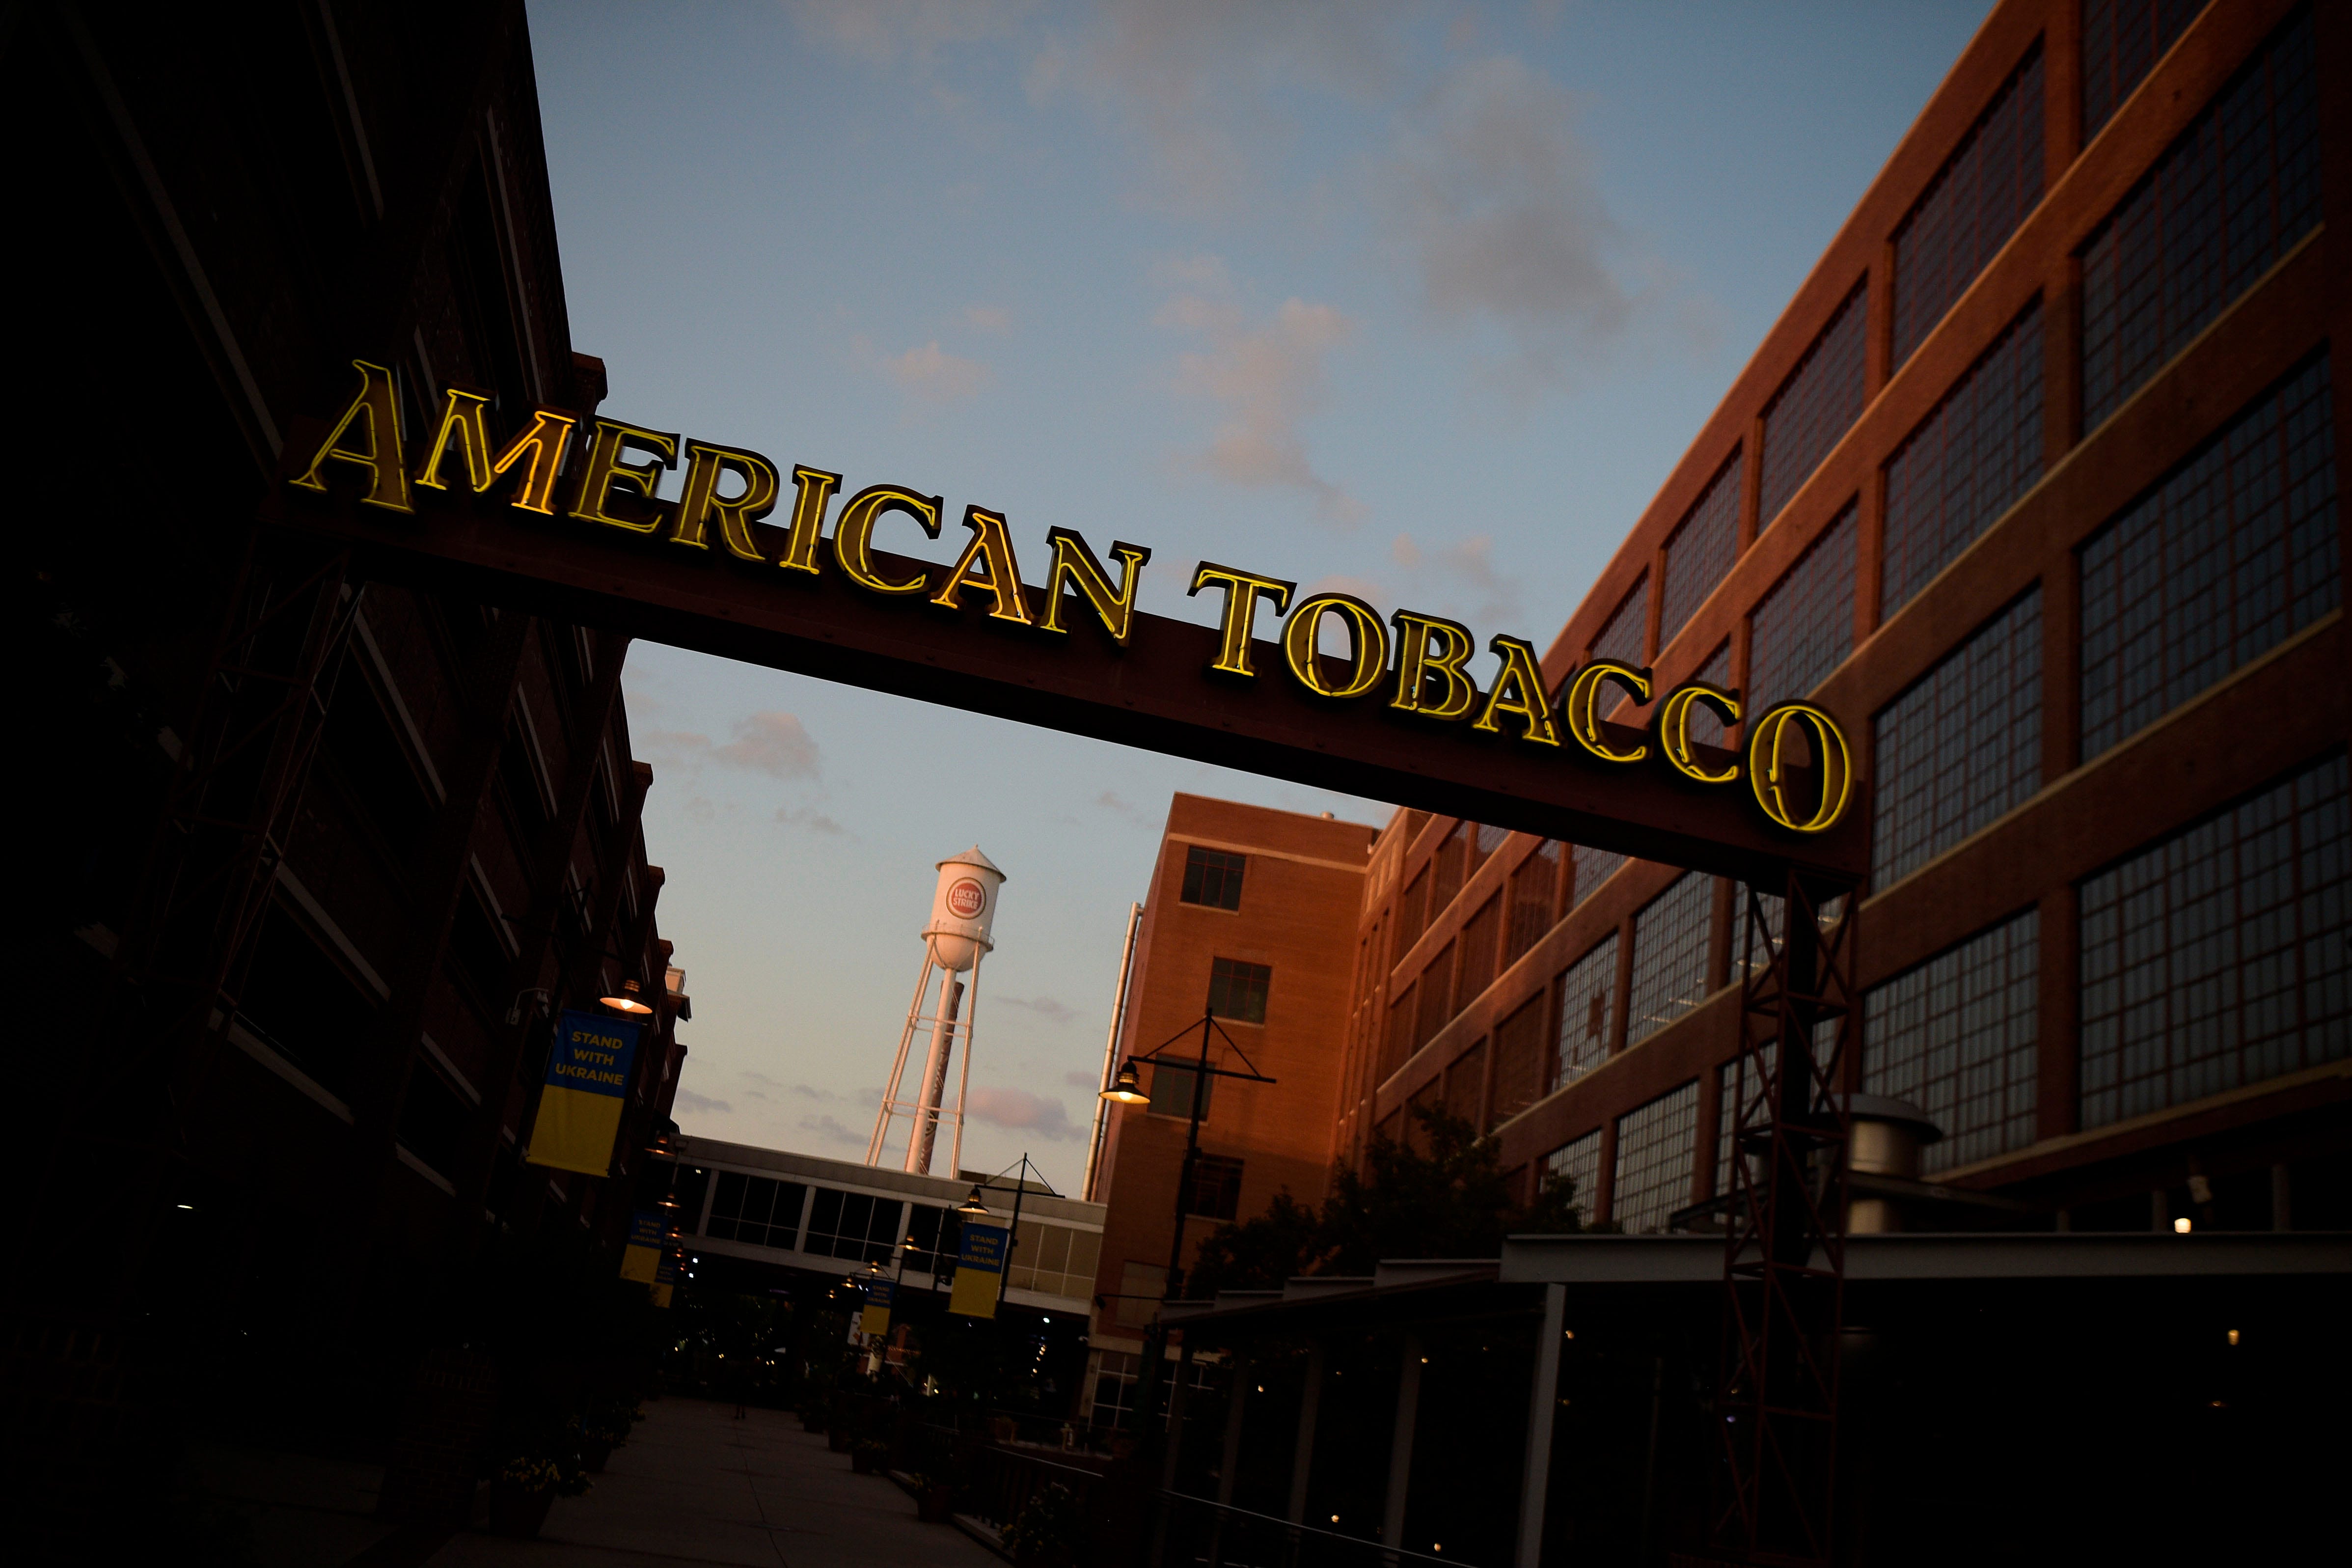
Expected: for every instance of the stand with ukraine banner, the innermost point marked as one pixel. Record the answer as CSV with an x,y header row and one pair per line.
x,y
979,1269
587,1083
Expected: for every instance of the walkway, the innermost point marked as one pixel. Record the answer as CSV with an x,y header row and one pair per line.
x,y
695,1486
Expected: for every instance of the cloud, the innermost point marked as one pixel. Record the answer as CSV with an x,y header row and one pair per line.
x,y
774,743
687,1099
995,320
1046,1007
1024,1111
1268,376
1490,190
1085,1080
1469,562
882,31
831,1129
809,818
934,375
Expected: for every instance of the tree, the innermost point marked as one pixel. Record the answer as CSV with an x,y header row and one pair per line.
x,y
1451,1202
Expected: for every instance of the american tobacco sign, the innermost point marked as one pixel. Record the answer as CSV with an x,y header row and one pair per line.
x,y
603,474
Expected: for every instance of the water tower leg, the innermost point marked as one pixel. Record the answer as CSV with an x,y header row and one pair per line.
x,y
898,1066
935,1077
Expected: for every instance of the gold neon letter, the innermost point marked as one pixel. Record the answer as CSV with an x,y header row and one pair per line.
x,y
853,536
1368,644
988,565
542,442
461,421
1581,706
1673,725
376,409
737,513
1242,590
1519,690
1074,563
1767,772
1430,645
605,469
813,492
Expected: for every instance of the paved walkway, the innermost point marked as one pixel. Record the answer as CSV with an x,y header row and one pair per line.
x,y
694,1486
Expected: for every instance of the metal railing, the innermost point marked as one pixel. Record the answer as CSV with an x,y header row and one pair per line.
x,y
1194,1532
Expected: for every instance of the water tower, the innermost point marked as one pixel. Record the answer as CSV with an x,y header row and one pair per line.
x,y
956,938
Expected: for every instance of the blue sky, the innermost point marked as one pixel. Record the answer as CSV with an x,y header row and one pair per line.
x,y
1421,301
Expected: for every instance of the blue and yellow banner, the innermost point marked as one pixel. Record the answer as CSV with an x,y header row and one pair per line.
x,y
641,1258
580,1106
980,1265
876,1317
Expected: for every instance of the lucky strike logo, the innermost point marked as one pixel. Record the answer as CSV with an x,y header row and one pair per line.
x,y
966,898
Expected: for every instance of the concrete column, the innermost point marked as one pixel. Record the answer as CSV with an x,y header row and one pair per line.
x,y
1408,1405
1542,1395
1302,1458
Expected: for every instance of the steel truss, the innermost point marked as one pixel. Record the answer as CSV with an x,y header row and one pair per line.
x,y
1784,1245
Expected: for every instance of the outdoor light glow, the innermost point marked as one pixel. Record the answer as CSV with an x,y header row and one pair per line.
x,y
625,999
1124,1089
2181,1225
2234,1336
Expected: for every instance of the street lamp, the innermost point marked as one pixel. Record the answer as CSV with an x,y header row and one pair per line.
x,y
1123,1090
972,1207
626,1000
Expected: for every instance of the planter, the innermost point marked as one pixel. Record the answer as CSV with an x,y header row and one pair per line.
x,y
935,1506
863,1463
593,1455
519,1513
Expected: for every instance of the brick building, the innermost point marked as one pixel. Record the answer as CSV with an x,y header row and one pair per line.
x,y
2035,483
322,852
1250,913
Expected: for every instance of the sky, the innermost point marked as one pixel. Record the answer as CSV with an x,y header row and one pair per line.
x,y
1420,301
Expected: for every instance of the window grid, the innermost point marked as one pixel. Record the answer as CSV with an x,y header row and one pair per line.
x,y
1592,867
1587,1012
1626,635
1657,1154
1518,1060
1578,1160
1803,628
1480,937
1704,727
1534,884
1960,748
2224,560
1216,1191
1436,997
1732,1083
2225,201
1976,201
1670,942
2222,955
1814,407
1700,550
1967,463
1237,991
2122,41
1956,1038
1173,1087
1214,878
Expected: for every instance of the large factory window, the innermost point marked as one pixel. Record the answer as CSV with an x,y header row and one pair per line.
x,y
1535,883
1699,551
758,1210
934,1235
1670,943
303,1003
2232,554
2227,199
2222,956
2122,41
1962,747
1588,996
853,1226
1214,878
1803,628
1592,867
1217,1187
1955,1037
1629,625
1814,407
1966,463
1657,1156
1518,1061
1578,1160
1237,990
1973,206
1055,1261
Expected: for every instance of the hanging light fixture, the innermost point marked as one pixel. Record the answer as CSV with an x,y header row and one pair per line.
x,y
625,1000
973,1207
1123,1090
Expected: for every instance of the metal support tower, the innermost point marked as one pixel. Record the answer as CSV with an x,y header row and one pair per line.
x,y
950,1022
1784,1245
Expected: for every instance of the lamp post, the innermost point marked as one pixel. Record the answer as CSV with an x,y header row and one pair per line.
x,y
1124,1090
